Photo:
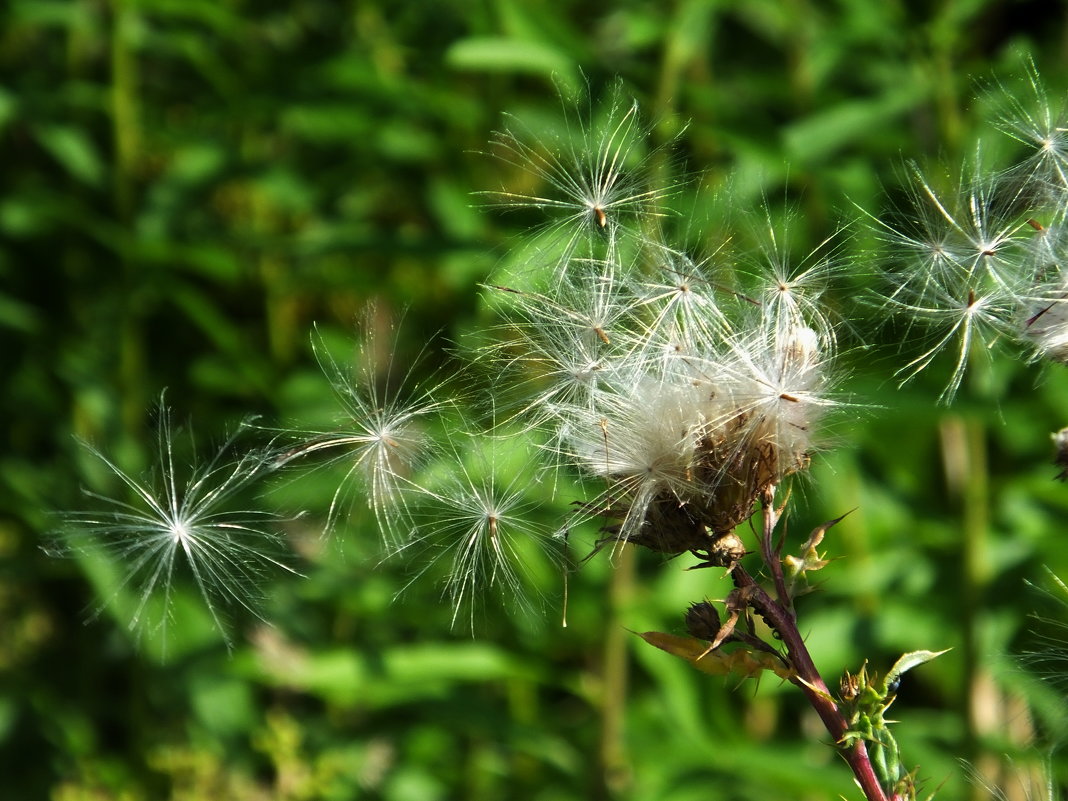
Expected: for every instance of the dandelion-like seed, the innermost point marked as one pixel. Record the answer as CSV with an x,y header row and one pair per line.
x,y
968,322
1042,128
986,234
479,525
567,341
790,294
593,177
170,527
963,271
381,437
676,307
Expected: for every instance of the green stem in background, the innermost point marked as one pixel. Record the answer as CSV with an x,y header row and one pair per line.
x,y
283,300
126,143
965,462
615,765
686,39
124,115
943,35
80,50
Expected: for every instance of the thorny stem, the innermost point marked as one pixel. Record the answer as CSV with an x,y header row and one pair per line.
x,y
778,615
809,680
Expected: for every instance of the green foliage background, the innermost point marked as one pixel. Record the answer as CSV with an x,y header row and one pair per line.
x,y
189,184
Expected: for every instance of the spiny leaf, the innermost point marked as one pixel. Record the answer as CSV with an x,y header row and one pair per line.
x,y
909,661
810,559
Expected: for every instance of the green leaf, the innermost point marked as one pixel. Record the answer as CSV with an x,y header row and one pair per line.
x,y
222,704
820,135
8,107
17,315
501,54
74,151
197,162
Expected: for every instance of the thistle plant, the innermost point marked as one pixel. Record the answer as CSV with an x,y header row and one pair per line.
x,y
661,397
687,396
689,391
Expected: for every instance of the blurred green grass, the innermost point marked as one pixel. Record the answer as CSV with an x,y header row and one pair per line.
x,y
189,186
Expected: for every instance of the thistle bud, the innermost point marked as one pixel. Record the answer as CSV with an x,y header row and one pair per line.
x,y
702,621
727,550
